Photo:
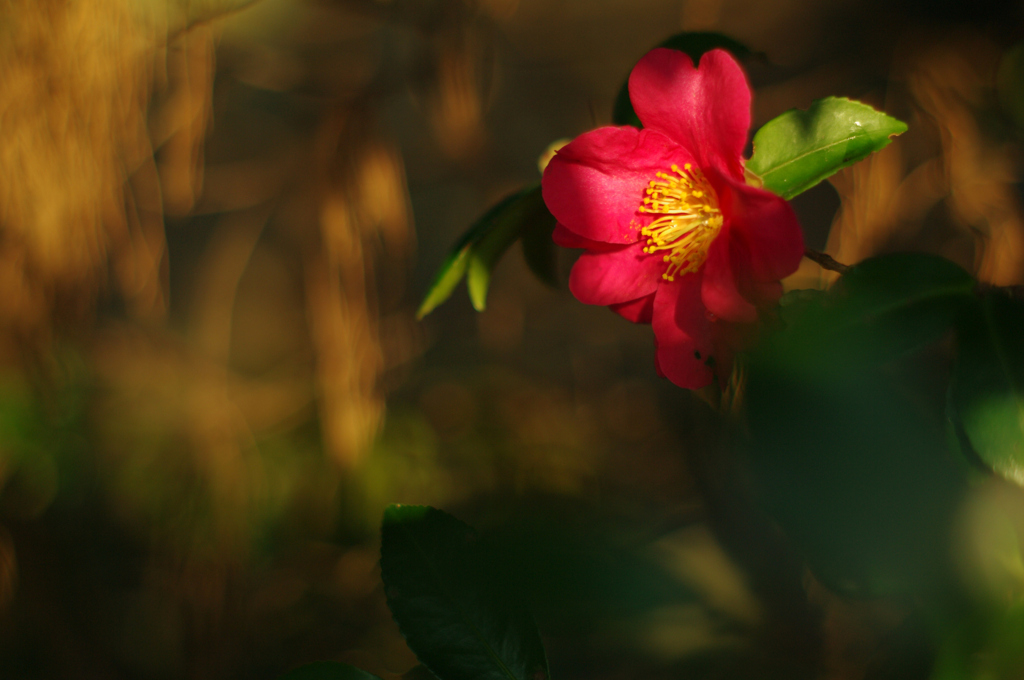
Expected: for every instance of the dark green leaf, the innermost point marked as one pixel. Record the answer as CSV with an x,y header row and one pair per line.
x,y
897,303
694,44
847,436
1010,85
987,391
581,567
480,248
328,670
505,226
798,149
879,310
454,601
538,249
454,267
418,672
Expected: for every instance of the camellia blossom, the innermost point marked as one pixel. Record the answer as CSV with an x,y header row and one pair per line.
x,y
674,235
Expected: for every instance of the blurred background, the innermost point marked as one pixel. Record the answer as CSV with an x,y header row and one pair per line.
x,y
217,219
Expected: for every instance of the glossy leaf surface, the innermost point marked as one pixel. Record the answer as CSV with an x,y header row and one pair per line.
x,y
798,149
454,601
987,391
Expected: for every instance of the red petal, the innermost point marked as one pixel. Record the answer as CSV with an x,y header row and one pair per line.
x,y
760,293
764,225
719,291
705,109
683,333
594,184
617,276
570,239
637,311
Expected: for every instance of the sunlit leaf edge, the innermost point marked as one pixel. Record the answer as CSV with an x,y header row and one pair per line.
x,y
506,227
986,353
880,136
456,262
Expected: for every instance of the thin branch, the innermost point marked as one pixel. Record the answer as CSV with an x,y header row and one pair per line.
x,y
825,261
1015,291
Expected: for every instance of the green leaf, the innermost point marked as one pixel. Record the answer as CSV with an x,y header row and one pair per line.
x,y
798,149
418,672
504,227
447,277
896,303
457,261
980,644
694,44
987,390
454,601
475,255
1010,85
328,670
539,250
846,438
879,310
582,567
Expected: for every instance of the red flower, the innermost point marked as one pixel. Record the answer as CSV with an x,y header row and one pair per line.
x,y
673,234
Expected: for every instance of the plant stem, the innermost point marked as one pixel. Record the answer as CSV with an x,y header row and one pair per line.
x,y
825,261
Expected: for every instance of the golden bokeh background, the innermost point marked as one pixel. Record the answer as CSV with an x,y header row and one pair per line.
x,y
217,219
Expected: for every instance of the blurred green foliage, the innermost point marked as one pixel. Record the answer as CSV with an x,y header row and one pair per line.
x,y
848,447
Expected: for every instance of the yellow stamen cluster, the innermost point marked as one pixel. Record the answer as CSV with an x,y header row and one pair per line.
x,y
689,219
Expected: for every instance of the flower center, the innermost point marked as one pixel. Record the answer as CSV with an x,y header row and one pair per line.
x,y
688,219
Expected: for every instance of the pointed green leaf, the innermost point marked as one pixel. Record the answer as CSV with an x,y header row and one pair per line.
x,y
987,390
328,670
506,223
454,601
522,213
694,44
447,277
455,264
798,149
